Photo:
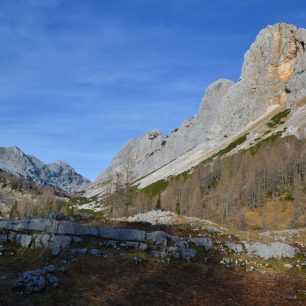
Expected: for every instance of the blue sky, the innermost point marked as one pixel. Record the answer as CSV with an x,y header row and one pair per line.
x,y
80,78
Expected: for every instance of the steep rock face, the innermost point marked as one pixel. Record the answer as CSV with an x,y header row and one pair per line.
x,y
273,77
268,65
296,85
153,150
58,174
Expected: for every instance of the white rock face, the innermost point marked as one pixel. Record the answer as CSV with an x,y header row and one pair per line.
x,y
273,77
268,65
58,174
154,217
296,85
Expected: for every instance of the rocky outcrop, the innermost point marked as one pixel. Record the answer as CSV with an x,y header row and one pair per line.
x,y
268,66
36,280
58,174
60,235
276,250
273,77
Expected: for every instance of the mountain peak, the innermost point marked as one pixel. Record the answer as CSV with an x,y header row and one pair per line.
x,y
59,173
60,163
273,77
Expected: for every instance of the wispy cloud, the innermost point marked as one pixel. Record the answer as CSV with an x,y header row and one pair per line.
x,y
79,78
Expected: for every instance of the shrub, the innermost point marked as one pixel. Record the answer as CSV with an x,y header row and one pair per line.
x,y
158,204
178,208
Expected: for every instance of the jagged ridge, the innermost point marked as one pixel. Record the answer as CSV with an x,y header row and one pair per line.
x,y
58,174
273,78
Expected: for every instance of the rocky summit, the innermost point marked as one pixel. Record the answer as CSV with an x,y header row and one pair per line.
x,y
58,174
273,79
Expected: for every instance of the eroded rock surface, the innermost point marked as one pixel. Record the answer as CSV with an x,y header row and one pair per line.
x,y
36,280
273,77
276,250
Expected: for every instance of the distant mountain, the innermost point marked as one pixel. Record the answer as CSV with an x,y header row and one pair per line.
x,y
58,174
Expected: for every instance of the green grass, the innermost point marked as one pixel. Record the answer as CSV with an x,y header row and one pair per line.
x,y
267,132
79,201
278,118
264,141
155,188
231,146
184,175
90,212
82,200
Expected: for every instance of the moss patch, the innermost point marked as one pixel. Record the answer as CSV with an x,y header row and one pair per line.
x,y
278,118
231,146
90,212
267,132
184,175
264,141
155,188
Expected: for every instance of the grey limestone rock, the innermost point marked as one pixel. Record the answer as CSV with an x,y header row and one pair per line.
x,y
273,75
182,244
174,252
58,243
82,251
189,254
275,250
95,252
122,234
23,240
137,245
63,269
235,247
52,242
158,237
3,238
137,260
36,281
204,242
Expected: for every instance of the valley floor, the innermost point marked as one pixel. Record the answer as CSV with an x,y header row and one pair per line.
x,y
114,279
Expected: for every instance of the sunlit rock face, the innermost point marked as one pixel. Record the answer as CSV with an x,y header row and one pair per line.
x,y
268,65
273,75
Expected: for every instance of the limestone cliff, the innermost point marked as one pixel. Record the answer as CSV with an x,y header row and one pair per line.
x,y
273,78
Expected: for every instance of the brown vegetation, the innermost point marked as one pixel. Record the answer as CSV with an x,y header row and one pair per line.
x,y
30,199
115,280
229,189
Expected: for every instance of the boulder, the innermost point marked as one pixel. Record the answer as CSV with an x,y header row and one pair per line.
x,y
275,250
24,240
122,234
158,237
55,243
234,247
182,244
136,245
175,252
36,281
82,251
137,260
42,241
204,242
188,254
95,252
3,238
